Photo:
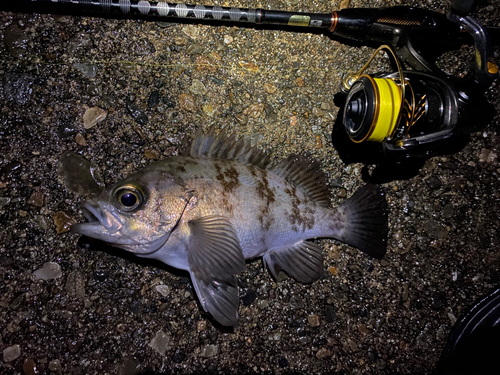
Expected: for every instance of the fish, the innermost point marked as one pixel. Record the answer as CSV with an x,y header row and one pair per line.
x,y
222,202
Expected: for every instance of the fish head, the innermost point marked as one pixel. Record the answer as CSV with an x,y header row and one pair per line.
x,y
137,213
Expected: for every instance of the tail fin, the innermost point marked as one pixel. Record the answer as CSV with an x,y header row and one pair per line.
x,y
366,218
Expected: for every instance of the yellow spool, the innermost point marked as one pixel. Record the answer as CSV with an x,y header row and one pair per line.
x,y
388,105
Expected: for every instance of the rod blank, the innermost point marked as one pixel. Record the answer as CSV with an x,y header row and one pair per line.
x,y
170,11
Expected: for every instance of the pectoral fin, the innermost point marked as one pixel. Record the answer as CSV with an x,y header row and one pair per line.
x,y
215,257
303,261
218,297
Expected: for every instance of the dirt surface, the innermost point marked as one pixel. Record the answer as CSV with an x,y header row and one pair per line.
x,y
86,101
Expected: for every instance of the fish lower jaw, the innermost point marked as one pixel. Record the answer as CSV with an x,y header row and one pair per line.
x,y
145,248
140,249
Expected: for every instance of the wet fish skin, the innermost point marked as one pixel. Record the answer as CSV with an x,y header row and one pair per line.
x,y
224,202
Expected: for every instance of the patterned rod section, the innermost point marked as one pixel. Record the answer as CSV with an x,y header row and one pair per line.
x,y
164,10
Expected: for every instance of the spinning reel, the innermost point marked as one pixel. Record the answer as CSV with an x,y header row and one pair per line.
x,y
413,113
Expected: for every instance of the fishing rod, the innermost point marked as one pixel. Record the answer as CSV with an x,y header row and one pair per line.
x,y
409,112
364,25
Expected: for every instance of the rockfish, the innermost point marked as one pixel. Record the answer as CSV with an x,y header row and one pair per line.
x,y
223,202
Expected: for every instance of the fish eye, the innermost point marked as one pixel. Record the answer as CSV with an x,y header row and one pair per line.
x,y
128,198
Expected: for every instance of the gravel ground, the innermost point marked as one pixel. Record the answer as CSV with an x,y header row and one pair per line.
x,y
86,101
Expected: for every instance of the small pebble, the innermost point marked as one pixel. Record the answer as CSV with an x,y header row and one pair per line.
x,y
160,342
66,130
351,346
75,284
241,118
209,110
262,304
194,49
383,263
88,70
270,88
342,193
334,252
209,351
319,142
197,87
94,90
191,30
248,65
29,367
323,353
333,271
55,366
201,325
187,103
300,81
487,156
92,116
36,199
154,98
228,39
205,64
63,222
254,110
11,353
363,329
121,327
152,154
164,290
80,140
330,314
313,320
137,113
49,271
249,297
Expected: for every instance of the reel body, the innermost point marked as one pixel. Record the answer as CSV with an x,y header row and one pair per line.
x,y
413,113
433,111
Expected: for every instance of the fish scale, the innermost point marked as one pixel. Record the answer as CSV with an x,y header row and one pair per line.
x,y
223,202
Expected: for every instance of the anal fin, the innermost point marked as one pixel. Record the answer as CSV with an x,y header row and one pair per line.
x,y
303,261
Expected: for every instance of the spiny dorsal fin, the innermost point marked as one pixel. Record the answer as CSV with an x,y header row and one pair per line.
x,y
305,173
222,146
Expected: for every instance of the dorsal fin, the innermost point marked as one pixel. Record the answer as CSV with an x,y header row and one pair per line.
x,y
305,173
222,146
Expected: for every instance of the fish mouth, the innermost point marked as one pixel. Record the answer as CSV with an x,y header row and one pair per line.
x,y
104,223
101,223
92,213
